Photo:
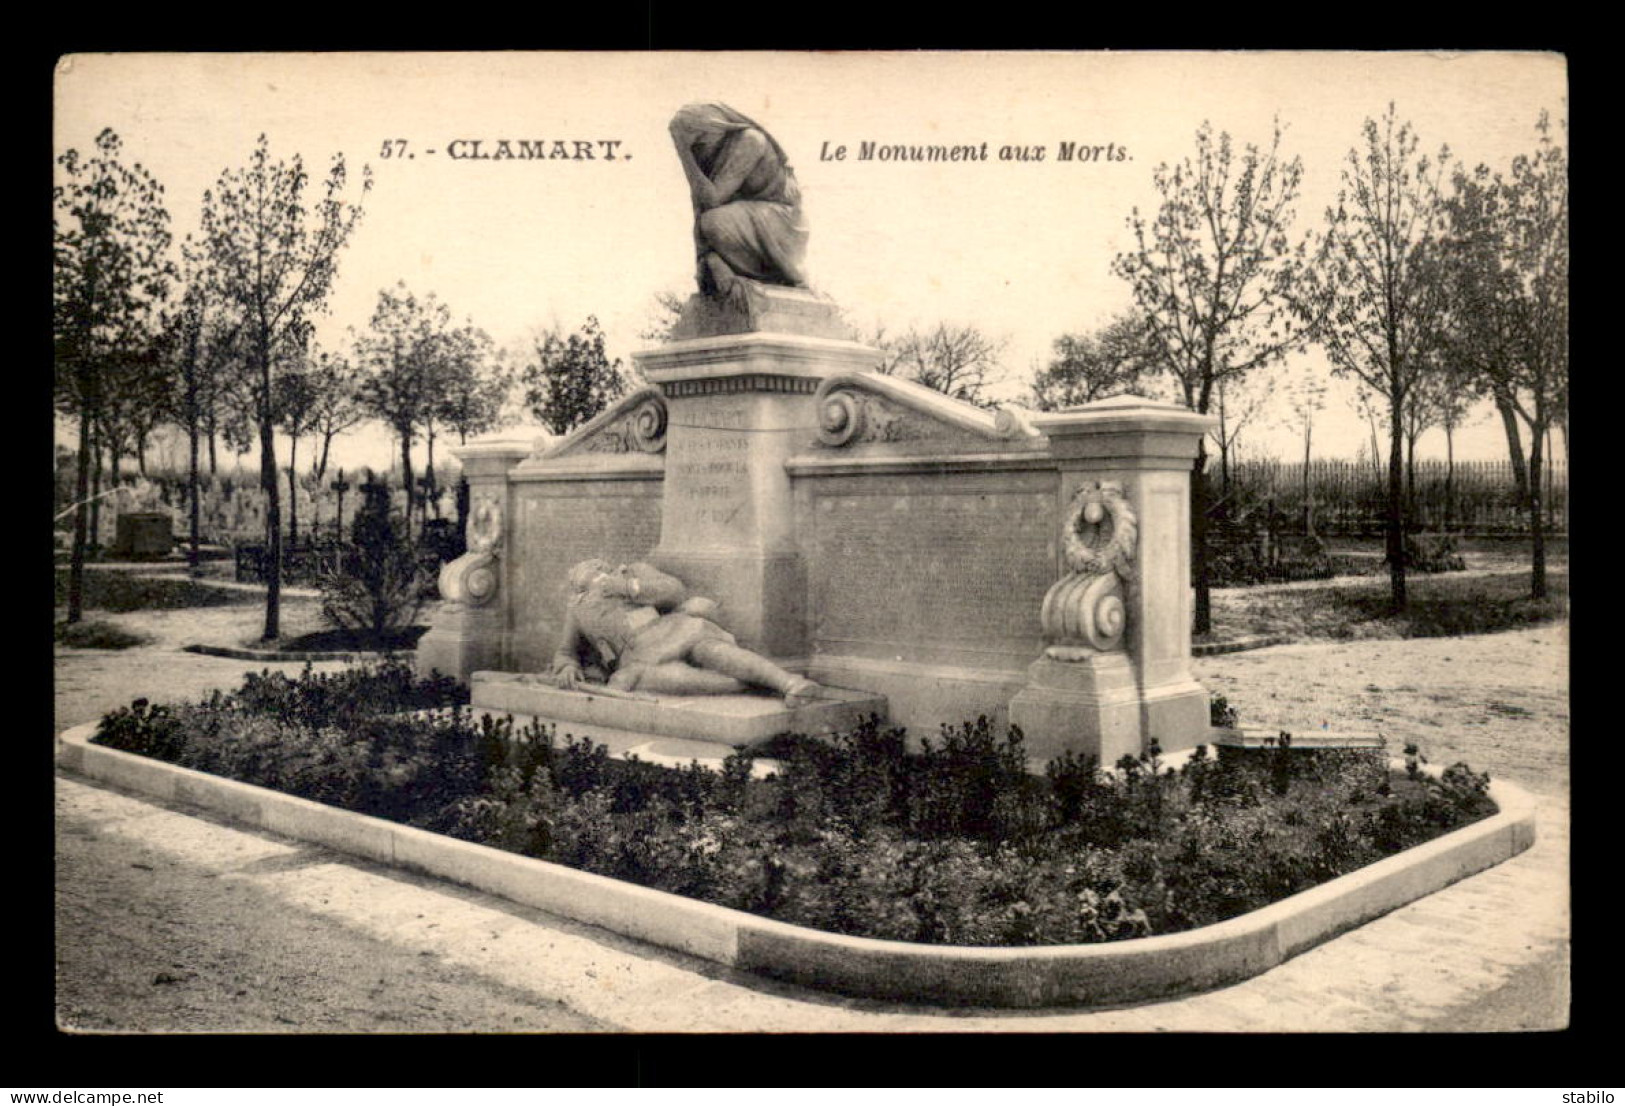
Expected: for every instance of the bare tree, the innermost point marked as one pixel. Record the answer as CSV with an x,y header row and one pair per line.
x,y
1306,399
1219,280
1507,277
1384,291
274,260
1237,406
111,272
958,361
664,314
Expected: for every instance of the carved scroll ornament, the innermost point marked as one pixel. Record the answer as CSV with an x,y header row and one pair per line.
x,y
846,416
640,430
469,581
1085,613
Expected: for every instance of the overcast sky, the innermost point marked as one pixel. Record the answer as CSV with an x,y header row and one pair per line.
x,y
1021,249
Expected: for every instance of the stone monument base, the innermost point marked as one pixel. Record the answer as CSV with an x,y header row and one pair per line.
x,y
768,308
460,642
1091,707
1095,707
732,720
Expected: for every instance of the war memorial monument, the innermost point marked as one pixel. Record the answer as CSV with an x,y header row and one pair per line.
x,y
772,537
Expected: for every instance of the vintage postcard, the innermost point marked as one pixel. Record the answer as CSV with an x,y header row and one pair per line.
x,y
1138,482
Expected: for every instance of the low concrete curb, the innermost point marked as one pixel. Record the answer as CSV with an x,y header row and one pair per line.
x,y
1067,975
1237,645
294,655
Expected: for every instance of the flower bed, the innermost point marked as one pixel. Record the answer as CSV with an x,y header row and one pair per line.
x,y
956,845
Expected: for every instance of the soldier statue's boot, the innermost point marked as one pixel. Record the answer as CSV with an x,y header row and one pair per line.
x,y
753,668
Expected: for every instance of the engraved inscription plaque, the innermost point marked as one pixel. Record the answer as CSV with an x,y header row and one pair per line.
x,y
930,573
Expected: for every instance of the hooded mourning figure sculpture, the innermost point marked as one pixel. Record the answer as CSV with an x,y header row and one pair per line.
x,y
748,224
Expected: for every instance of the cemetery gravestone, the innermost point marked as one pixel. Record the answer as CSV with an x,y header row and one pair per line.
x,y
144,534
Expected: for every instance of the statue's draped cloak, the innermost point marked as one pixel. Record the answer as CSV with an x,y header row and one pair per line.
x,y
760,232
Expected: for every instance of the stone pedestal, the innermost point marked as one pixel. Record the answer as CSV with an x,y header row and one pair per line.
x,y
767,309
733,720
739,406
469,632
1089,706
1113,702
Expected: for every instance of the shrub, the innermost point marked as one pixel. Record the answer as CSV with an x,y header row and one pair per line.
x,y
1433,553
1235,560
96,634
342,697
380,590
956,844
972,785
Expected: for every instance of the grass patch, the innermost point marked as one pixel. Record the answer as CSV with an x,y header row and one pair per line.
x,y
95,634
1439,606
120,592
956,844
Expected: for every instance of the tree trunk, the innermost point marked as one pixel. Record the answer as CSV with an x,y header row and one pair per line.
x,y
431,489
1537,529
1199,557
273,499
1396,512
192,419
321,465
1410,476
1550,490
195,522
81,522
293,493
1509,423
1449,477
96,493
406,478
1308,488
214,461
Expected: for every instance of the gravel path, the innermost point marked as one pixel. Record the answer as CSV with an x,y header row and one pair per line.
x,y
154,943
1497,701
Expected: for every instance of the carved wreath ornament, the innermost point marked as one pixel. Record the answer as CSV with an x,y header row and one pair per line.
x,y
485,524
1100,531
1084,612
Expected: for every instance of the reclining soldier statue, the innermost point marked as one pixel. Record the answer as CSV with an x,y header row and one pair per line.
x,y
638,627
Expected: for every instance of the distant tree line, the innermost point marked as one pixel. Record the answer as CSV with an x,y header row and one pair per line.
x,y
217,338
1428,285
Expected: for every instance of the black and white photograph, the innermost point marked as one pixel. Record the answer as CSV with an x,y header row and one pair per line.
x,y
799,542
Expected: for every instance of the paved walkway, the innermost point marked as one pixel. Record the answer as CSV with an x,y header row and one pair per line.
x,y
1489,953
